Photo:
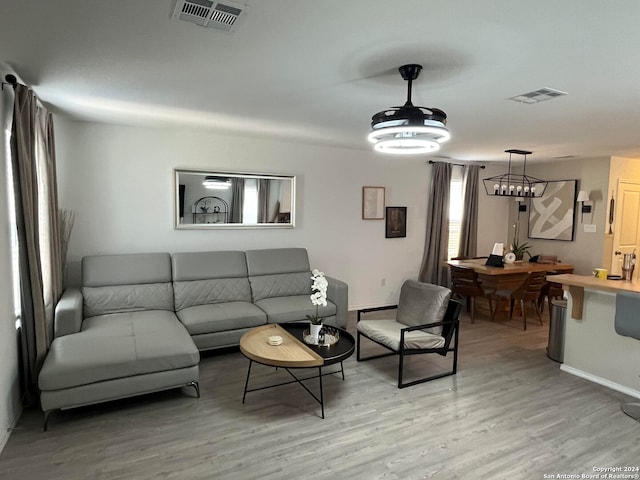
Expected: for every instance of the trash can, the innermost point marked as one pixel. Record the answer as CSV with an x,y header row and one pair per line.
x,y
555,348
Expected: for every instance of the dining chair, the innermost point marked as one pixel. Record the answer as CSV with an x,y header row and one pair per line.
x,y
528,292
465,284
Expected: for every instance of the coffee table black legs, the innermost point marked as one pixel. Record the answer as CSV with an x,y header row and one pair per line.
x,y
246,383
297,380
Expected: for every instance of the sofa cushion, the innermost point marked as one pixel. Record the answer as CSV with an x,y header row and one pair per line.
x,y
220,317
127,298
130,269
116,346
387,332
422,303
203,292
281,285
205,265
126,283
293,308
277,260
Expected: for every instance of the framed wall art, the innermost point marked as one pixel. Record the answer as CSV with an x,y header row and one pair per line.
x,y
372,203
552,216
396,224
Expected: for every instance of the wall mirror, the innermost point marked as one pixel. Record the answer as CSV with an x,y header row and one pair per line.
x,y
216,199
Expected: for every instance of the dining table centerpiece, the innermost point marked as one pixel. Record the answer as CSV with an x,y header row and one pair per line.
x,y
519,249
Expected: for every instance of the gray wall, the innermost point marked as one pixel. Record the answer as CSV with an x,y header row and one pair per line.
x,y
586,251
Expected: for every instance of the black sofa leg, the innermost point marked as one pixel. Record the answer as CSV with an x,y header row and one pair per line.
x,y
196,386
45,422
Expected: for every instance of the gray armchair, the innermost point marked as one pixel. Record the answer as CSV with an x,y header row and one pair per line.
x,y
426,322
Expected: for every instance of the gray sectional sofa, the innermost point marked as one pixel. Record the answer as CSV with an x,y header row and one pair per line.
x,y
138,321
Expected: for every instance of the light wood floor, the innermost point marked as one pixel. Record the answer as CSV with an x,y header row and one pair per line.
x,y
509,413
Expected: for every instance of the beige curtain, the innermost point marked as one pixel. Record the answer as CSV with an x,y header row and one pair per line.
x,y
469,229
35,190
263,200
237,200
437,237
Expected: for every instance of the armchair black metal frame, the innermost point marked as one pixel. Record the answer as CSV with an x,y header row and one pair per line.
x,y
450,327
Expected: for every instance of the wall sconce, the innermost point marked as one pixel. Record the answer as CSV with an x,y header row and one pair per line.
x,y
583,197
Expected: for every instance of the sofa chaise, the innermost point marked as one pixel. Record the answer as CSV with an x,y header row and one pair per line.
x,y
117,336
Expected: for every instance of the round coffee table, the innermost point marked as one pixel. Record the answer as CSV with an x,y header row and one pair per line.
x,y
293,353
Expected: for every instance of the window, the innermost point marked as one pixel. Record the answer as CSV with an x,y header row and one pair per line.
x,y
250,205
456,207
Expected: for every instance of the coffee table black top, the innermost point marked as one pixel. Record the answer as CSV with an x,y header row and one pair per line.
x,y
335,353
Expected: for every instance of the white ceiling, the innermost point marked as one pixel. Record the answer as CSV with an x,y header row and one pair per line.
x,y
317,70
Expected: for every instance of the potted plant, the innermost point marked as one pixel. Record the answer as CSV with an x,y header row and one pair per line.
x,y
519,249
318,298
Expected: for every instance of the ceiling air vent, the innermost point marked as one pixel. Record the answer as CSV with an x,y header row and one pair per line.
x,y
221,15
538,95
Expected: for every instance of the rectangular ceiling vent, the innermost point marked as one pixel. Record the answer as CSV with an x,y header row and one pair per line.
x,y
220,15
538,95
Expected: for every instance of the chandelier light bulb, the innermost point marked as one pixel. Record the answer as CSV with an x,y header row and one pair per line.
x,y
518,184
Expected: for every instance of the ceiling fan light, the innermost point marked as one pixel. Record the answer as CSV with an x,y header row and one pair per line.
x,y
406,146
409,129
439,134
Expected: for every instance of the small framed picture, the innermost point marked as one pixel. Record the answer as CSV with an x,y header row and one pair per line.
x,y
396,224
372,203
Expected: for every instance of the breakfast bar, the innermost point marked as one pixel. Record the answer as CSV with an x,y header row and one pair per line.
x,y
593,350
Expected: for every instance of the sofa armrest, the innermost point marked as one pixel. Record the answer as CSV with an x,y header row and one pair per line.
x,y
68,314
338,293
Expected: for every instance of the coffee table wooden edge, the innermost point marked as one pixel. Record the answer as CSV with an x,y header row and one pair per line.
x,y
291,353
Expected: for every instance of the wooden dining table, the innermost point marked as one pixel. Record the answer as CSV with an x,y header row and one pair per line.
x,y
512,275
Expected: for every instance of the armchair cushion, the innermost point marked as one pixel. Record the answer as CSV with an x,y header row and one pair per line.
x,y
387,333
422,303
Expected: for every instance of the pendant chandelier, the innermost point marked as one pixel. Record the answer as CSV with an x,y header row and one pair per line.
x,y
408,129
514,184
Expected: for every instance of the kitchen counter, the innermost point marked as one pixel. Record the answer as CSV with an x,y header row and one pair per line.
x,y
592,349
575,285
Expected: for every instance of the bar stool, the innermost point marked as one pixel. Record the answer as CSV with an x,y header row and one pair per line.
x,y
626,324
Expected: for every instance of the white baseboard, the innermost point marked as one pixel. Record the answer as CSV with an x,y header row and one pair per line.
x,y
601,381
4,435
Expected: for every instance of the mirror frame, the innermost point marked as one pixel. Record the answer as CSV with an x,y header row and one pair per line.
x,y
216,226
